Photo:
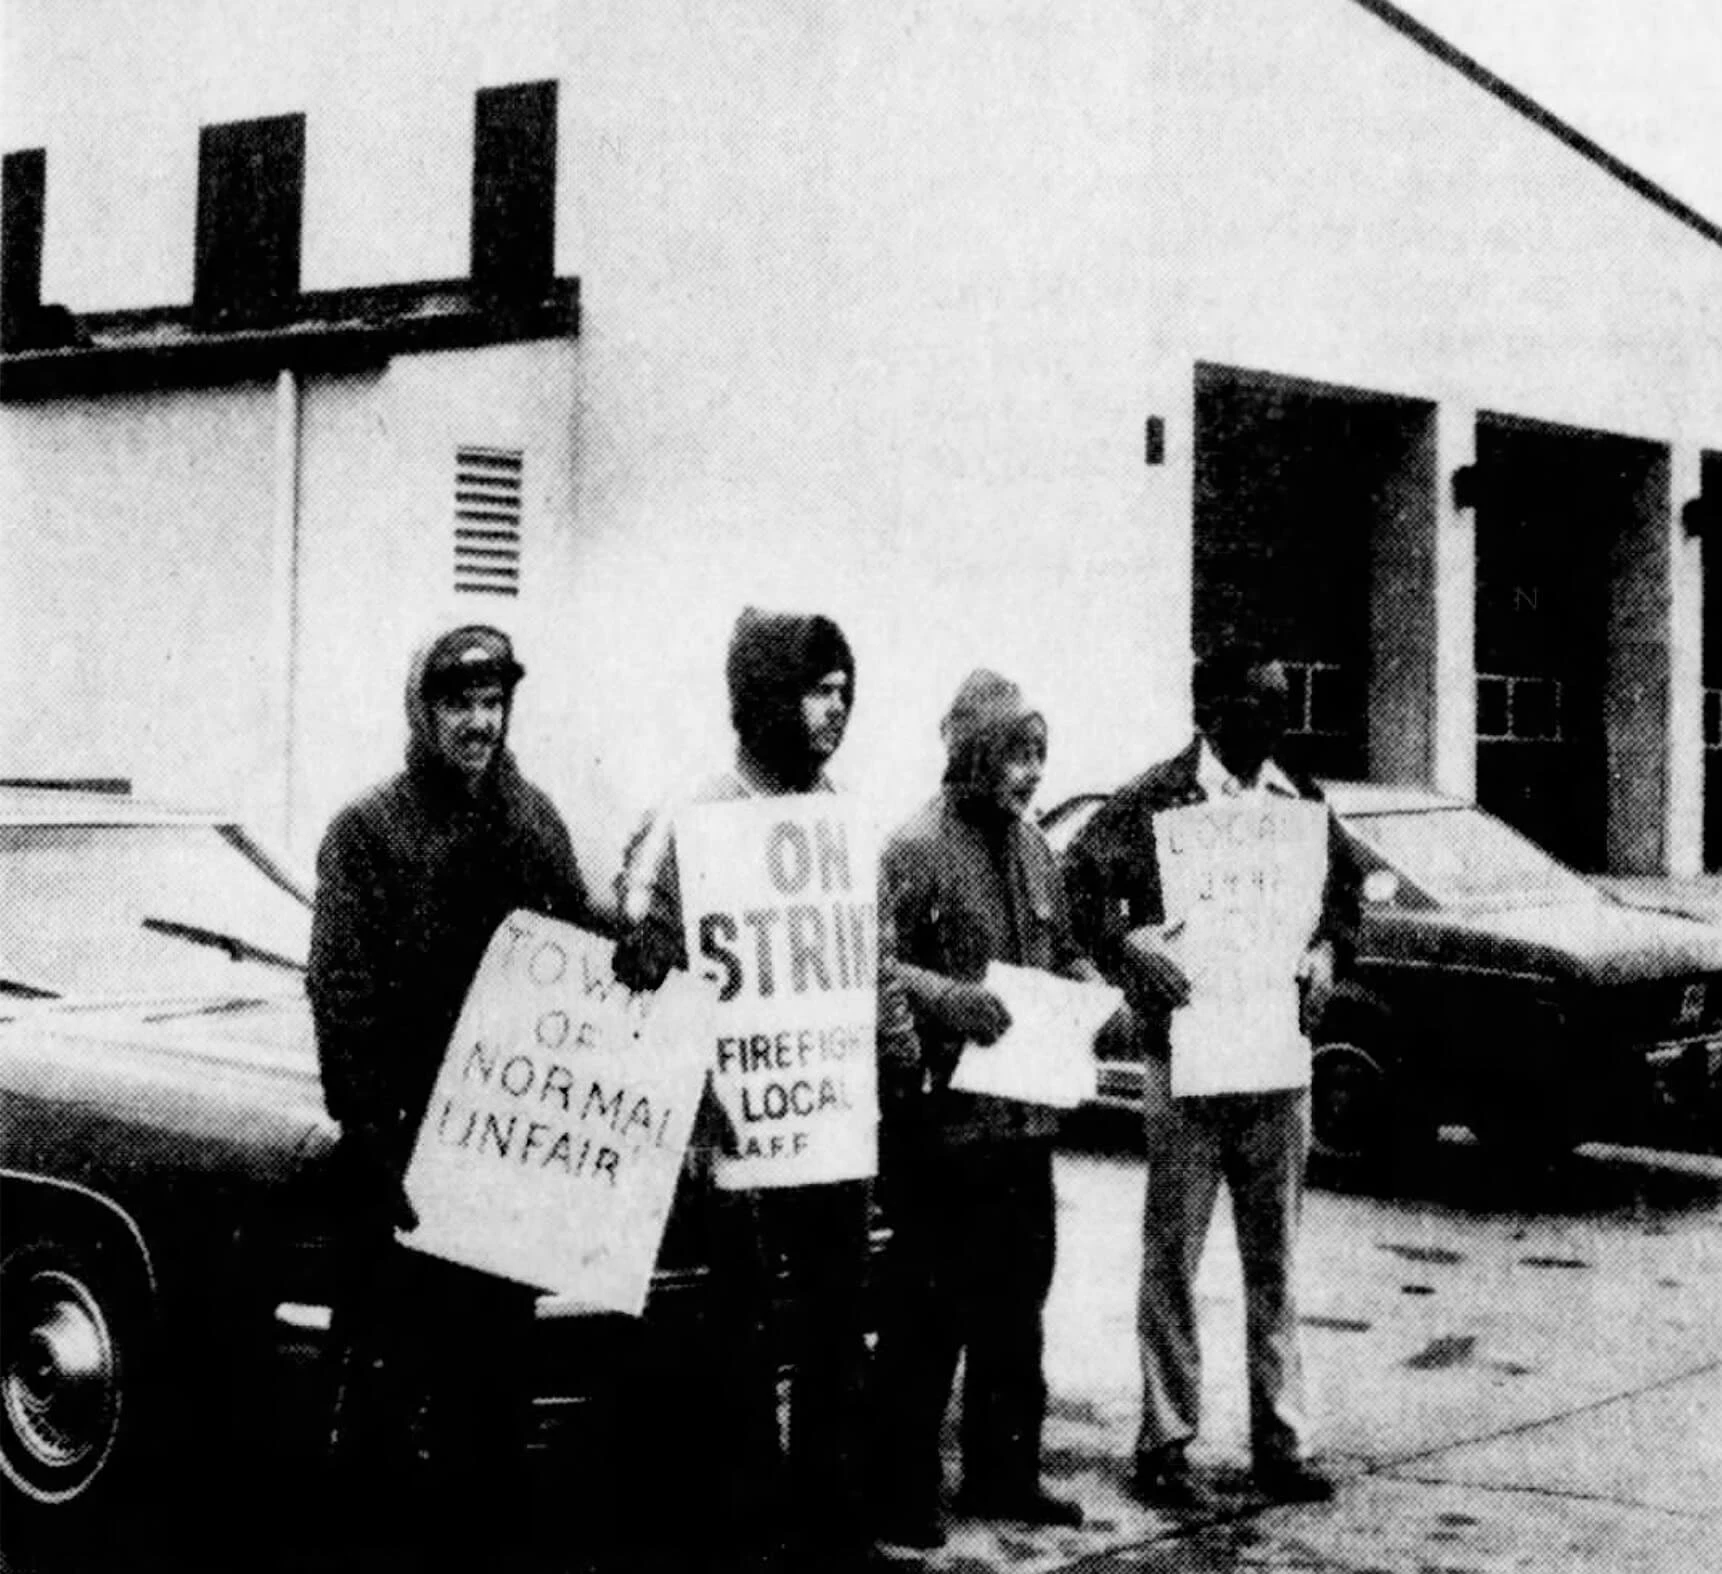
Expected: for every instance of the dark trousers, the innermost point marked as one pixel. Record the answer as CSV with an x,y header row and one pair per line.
x,y
432,1407
788,1271
968,1272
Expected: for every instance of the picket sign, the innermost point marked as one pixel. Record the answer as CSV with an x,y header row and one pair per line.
x,y
779,904
1242,882
1046,1056
555,1132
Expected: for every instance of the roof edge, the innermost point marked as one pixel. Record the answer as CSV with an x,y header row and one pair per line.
x,y
1474,70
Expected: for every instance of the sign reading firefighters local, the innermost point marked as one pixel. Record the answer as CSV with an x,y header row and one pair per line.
x,y
778,899
555,1132
1242,883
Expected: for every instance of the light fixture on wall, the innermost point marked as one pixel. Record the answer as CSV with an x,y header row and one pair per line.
x,y
1467,486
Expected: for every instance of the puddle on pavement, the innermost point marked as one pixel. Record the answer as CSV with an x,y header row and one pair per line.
x,y
1444,1351
1539,1261
1510,1368
1344,1325
1416,1289
1221,1549
1233,1549
1445,1255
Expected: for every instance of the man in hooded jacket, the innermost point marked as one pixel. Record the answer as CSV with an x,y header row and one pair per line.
x,y
968,1178
791,685
412,880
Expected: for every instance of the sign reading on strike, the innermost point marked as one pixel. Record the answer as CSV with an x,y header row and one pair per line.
x,y
1242,882
779,902
555,1132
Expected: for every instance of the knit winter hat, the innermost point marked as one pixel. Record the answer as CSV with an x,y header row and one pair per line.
x,y
987,716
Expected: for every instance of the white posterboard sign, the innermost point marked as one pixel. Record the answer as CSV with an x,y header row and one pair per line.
x,y
554,1135
1046,1056
779,901
1242,882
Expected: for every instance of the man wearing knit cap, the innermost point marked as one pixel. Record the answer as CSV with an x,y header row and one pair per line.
x,y
1255,1138
412,880
967,1177
791,687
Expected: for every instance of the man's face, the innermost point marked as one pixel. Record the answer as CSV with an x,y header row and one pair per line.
x,y
825,714
1248,719
467,726
1019,772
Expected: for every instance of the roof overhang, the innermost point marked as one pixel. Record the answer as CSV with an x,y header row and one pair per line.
x,y
323,331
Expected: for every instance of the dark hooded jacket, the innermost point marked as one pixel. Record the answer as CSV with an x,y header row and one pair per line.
x,y
969,885
412,880
774,659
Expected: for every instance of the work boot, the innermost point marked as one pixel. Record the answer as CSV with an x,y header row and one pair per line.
x,y
1165,1480
918,1530
1030,1505
1290,1480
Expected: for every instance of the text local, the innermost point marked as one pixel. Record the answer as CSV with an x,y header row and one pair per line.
x,y
1210,833
803,1050
1239,873
524,1139
827,944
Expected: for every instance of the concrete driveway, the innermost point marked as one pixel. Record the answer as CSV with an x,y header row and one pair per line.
x,y
1510,1373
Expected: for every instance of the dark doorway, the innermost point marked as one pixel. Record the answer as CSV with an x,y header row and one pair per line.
x,y
1292,481
1556,511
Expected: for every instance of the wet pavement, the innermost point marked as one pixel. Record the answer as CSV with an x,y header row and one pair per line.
x,y
1509,1371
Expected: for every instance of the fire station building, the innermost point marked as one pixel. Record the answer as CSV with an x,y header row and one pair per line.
x,y
1068,339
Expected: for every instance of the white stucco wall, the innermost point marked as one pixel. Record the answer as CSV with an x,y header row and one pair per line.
x,y
376,523
876,300
134,592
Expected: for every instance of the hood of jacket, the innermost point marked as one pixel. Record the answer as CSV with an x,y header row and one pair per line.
x,y
774,659
425,764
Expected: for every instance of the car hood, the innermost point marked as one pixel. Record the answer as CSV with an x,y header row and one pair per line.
x,y
238,1076
1600,942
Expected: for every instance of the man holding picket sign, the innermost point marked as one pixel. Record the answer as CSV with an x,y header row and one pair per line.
x,y
1216,891
414,878
968,1176
766,879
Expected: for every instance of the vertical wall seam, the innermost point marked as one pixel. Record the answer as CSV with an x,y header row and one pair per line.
x,y
286,580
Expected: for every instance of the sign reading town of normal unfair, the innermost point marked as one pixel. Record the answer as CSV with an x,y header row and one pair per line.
x,y
550,1149
1241,879
779,903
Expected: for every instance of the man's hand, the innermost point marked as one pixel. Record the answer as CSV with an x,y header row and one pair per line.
x,y
974,1011
1315,985
644,958
1153,981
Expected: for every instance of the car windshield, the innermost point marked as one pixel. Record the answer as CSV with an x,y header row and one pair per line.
x,y
160,910
1464,858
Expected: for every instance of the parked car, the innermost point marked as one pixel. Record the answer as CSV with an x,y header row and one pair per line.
x,y
1493,988
165,1206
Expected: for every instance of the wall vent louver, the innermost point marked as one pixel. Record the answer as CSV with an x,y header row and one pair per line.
x,y
487,520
